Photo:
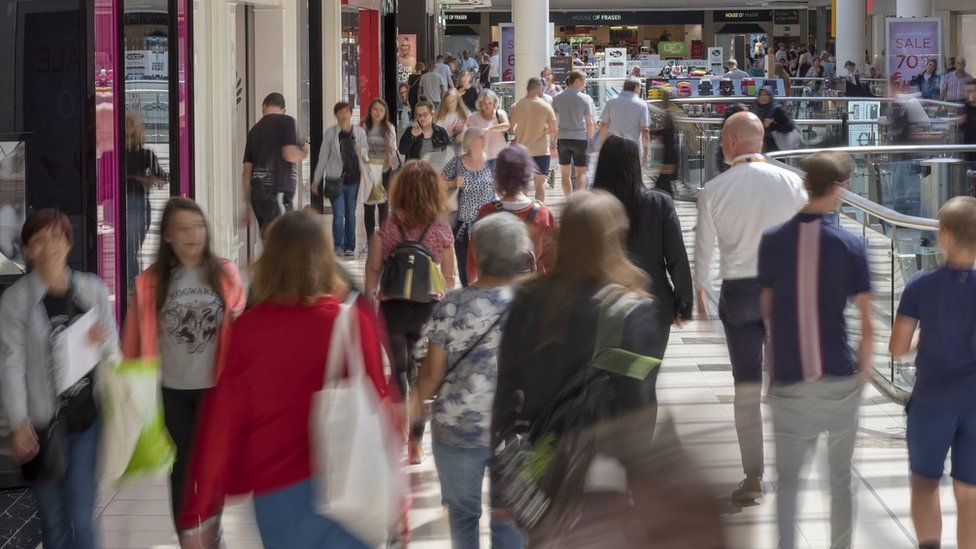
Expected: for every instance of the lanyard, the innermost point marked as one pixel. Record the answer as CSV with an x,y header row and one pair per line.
x,y
748,160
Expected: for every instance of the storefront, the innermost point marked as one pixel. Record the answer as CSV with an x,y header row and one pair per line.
x,y
640,32
462,32
361,52
742,34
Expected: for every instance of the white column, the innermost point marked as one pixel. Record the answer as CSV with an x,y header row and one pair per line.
x,y
331,57
913,8
851,33
531,19
216,173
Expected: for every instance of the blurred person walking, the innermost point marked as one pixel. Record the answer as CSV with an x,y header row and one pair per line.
x,y
254,429
271,156
54,434
774,118
668,134
941,306
433,86
473,175
417,205
444,70
809,269
534,124
468,90
460,369
552,385
489,117
180,314
339,175
514,169
627,115
550,87
383,157
734,209
654,239
576,115
452,115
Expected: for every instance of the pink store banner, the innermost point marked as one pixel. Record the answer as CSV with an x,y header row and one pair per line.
x,y
507,32
911,42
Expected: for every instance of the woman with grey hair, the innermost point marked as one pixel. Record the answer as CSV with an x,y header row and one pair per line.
x,y
464,334
493,120
473,175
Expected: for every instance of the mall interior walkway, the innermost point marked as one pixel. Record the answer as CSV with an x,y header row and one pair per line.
x,y
695,390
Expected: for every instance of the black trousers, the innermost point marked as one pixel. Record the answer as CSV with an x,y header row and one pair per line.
x,y
369,212
461,243
180,411
404,323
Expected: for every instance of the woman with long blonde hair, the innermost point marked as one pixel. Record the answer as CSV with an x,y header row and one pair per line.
x,y
452,115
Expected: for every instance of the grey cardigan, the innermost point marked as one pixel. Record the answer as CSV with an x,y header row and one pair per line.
x,y
329,165
26,382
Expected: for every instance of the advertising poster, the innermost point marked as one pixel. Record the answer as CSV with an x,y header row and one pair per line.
x,y
672,50
911,42
616,60
507,33
561,67
406,56
715,61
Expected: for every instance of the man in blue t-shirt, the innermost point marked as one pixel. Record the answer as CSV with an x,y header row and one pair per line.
x,y
809,269
942,408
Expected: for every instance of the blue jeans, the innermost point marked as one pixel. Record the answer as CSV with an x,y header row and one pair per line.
x,y
67,505
461,472
344,217
286,518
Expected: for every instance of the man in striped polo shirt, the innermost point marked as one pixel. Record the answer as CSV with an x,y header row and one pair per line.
x,y
809,269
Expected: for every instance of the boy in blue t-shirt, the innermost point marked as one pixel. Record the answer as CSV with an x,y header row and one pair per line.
x,y
942,408
809,270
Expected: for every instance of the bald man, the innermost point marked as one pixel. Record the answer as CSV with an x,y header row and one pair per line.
x,y
734,209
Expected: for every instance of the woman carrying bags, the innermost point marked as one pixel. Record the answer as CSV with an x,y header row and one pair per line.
x,y
54,433
383,158
180,314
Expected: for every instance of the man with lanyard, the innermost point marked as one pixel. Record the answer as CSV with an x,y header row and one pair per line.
x,y
734,209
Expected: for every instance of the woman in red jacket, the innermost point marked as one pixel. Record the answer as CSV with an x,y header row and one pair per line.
x,y
254,430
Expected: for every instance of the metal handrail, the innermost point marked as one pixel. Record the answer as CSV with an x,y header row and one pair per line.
x,y
877,149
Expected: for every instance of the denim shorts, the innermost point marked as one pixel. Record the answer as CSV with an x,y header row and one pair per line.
x,y
542,163
934,428
572,150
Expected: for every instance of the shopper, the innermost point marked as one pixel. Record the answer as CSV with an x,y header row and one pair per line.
x,y
143,173
339,174
968,122
413,86
550,350
733,72
942,408
468,62
928,82
514,169
756,70
417,206
492,119
433,86
460,368
254,428
816,70
404,108
534,123
494,72
424,138
181,314
734,209
550,88
668,134
53,433
473,175
577,124
954,83
773,116
271,156
383,158
654,238
809,269
627,115
445,71
468,90
452,116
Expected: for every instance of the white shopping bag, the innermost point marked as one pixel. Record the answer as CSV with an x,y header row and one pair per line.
x,y
355,463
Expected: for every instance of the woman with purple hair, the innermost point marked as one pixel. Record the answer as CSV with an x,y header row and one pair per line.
x,y
514,170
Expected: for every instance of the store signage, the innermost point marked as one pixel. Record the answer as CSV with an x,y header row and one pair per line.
x,y
616,62
561,66
715,60
672,49
507,32
594,18
911,42
740,16
462,18
786,17
786,30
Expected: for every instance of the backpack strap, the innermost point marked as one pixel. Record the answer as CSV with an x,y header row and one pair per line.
x,y
423,233
403,234
616,303
535,210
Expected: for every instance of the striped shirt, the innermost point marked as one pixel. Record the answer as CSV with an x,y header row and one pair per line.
x,y
813,268
954,85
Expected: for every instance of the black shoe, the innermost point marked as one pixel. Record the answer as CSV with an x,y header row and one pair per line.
x,y
750,489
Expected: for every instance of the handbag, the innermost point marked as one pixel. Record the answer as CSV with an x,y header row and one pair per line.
x,y
377,192
331,188
788,141
356,475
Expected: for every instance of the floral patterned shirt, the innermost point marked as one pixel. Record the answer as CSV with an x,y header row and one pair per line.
x,y
462,411
478,190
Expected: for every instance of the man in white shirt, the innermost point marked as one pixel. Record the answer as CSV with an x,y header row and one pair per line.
x,y
627,115
735,208
468,62
495,66
732,70
781,54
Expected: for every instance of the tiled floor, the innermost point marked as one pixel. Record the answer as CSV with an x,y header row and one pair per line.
x,y
695,389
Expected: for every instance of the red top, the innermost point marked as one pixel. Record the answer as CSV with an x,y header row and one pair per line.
x,y
542,232
253,432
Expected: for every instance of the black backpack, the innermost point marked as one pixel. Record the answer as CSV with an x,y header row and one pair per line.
x,y
410,272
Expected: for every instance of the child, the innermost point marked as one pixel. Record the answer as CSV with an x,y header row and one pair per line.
x,y
942,407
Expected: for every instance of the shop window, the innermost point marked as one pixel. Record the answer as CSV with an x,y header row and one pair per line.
x,y
350,59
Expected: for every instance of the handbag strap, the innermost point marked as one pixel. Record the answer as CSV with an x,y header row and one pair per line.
x,y
344,344
473,346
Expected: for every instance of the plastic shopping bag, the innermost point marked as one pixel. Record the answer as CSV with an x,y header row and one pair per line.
x,y
134,437
356,467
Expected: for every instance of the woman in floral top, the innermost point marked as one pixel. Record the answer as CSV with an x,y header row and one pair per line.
x,y
461,366
474,177
416,206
